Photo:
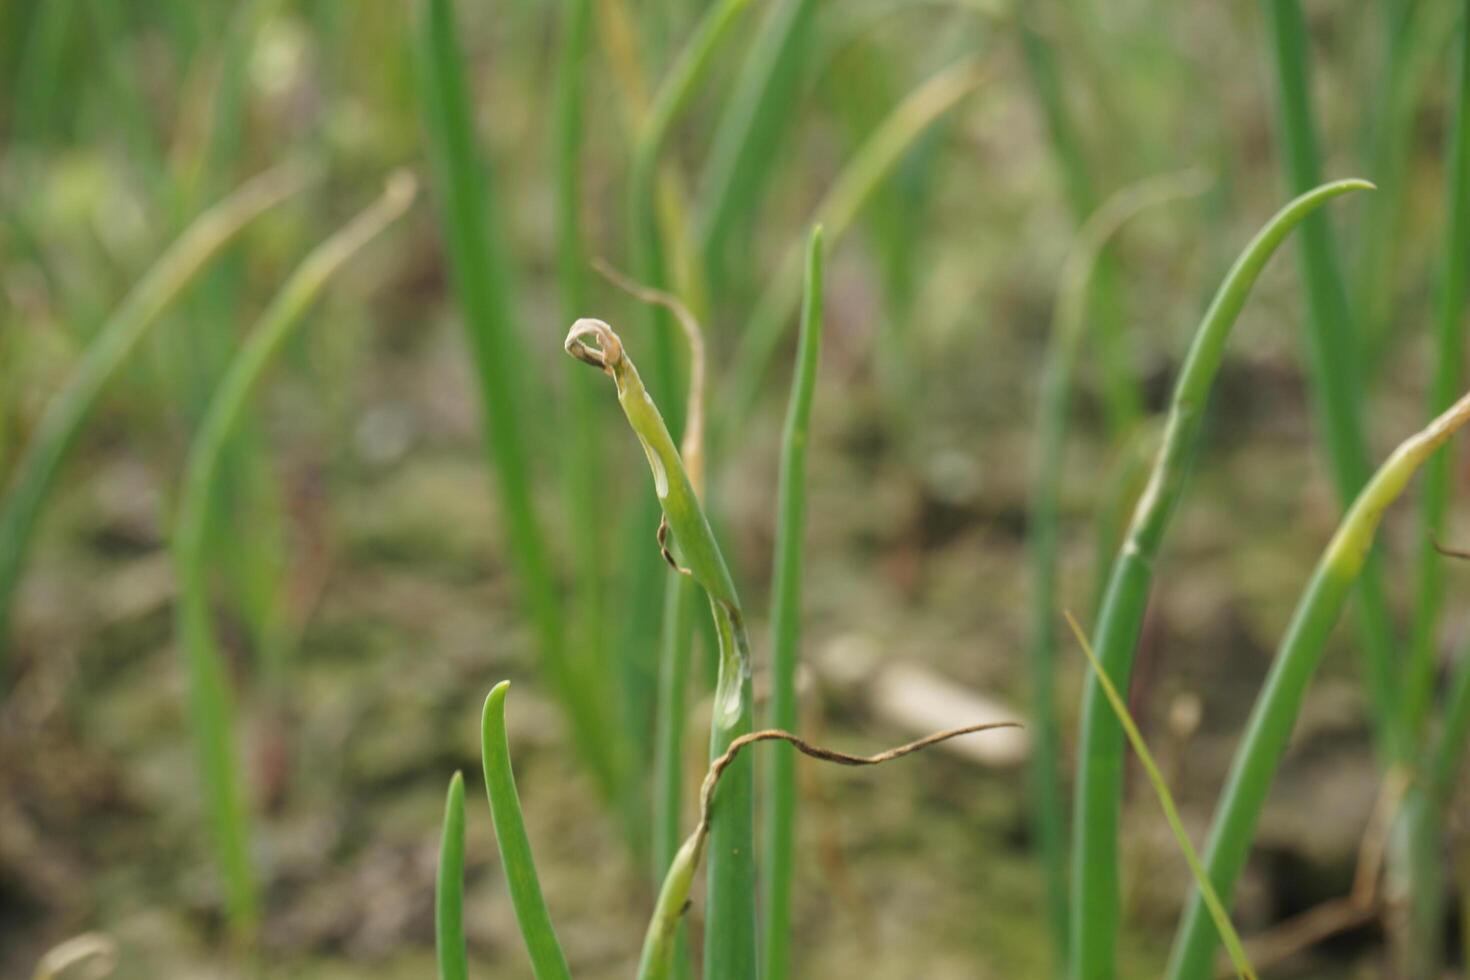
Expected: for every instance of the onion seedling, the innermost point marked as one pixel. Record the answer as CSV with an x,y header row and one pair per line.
x,y
780,810
1095,891
1280,700
449,888
480,264
1064,341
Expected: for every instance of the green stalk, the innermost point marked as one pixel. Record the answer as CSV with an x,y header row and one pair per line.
x,y
1120,389
674,93
1280,701
547,961
649,267
449,888
1068,328
1447,381
582,464
211,706
1332,350
780,815
1218,915
852,189
1390,141
676,639
1095,891
730,929
757,115
115,341
481,271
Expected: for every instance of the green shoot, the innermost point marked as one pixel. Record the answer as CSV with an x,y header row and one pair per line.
x,y
481,270
1100,759
1332,347
780,814
515,847
730,937
1218,915
1280,700
1447,381
1068,326
449,889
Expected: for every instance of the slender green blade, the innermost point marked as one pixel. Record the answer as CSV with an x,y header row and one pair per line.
x,y
1067,332
449,888
481,268
515,847
1279,703
1095,889
786,623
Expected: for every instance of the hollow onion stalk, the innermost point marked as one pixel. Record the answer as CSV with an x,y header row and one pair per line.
x,y
1095,890
1279,703
780,803
480,267
449,888
1064,341
1332,350
730,927
544,949
1447,380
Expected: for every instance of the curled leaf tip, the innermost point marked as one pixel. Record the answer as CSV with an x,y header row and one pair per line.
x,y
605,351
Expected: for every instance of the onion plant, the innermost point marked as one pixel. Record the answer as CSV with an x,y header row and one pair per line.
x,y
650,257
1280,700
115,342
1331,346
449,888
1218,914
780,788
524,885
730,936
1064,341
210,702
548,962
481,268
1095,889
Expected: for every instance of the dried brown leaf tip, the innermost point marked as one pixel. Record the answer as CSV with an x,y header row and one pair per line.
x,y
604,351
